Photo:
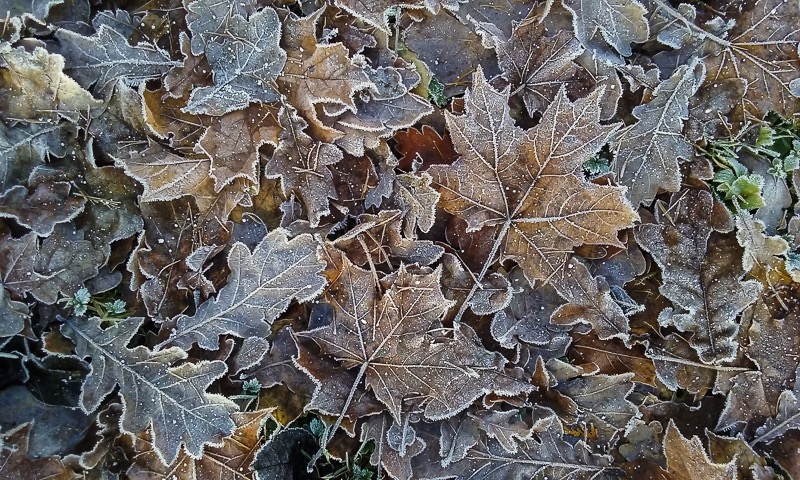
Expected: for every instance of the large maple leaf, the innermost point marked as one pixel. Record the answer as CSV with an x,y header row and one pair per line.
x,y
400,347
528,185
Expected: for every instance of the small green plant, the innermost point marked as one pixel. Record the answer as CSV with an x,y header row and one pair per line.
x,y
733,182
596,165
250,391
83,303
356,467
436,93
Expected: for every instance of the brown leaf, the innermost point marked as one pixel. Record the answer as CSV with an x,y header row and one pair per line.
x,y
15,463
230,461
401,348
701,277
423,147
537,73
232,142
613,357
377,239
316,73
687,459
173,231
395,445
762,52
775,347
164,174
527,318
381,110
302,165
759,249
530,184
748,462
589,301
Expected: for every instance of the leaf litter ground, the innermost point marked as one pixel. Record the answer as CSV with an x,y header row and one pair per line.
x,y
410,240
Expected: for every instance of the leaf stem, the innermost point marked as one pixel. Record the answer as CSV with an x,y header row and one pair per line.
x,y
329,432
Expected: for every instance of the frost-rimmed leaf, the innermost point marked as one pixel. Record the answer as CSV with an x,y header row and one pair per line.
x,y
106,56
788,417
41,209
529,185
12,314
589,301
61,264
245,59
230,461
34,87
701,278
171,400
259,288
686,458
164,174
549,457
318,73
602,401
646,153
302,165
759,49
16,463
401,349
232,142
759,248
536,65
620,22
382,110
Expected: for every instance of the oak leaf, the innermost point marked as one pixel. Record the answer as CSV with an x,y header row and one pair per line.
x,y
106,56
529,184
33,87
229,461
701,277
550,456
787,418
171,400
646,153
259,288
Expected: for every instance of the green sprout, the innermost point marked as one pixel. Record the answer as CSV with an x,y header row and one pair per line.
x,y
83,304
436,93
596,166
